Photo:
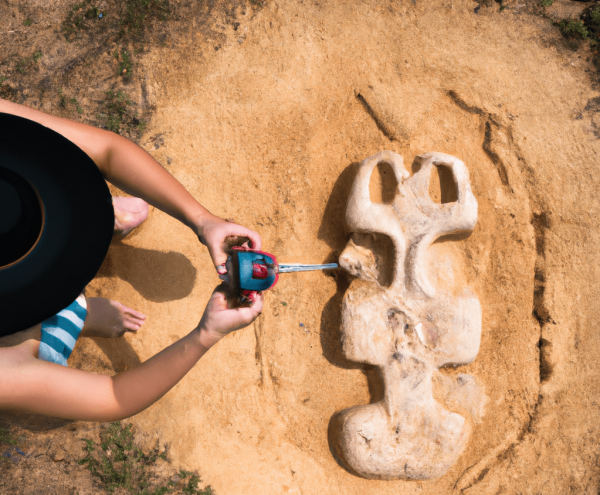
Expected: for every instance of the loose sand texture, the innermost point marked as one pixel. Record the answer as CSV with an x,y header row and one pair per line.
x,y
265,122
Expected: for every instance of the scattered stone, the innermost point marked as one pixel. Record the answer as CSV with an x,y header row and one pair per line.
x,y
58,455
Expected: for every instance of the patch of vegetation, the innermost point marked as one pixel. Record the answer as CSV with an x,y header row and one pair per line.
x,y
80,17
591,20
137,13
62,100
6,440
546,3
117,463
6,92
125,64
27,22
28,62
115,107
571,28
64,103
119,115
6,437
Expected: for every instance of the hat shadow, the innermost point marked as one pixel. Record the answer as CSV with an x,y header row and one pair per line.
x,y
156,276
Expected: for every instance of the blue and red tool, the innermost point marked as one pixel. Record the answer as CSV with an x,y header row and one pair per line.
x,y
253,271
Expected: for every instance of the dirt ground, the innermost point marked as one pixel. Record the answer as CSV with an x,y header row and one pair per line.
x,y
263,110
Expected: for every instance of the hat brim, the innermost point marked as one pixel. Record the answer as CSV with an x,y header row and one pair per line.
x,y
77,230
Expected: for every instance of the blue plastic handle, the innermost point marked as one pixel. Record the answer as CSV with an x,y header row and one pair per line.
x,y
245,260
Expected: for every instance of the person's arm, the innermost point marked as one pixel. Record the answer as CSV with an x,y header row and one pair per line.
x,y
30,385
134,171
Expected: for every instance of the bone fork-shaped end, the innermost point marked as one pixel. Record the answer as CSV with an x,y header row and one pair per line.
x,y
436,220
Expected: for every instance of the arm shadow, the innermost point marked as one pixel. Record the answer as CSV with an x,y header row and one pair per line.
x,y
157,276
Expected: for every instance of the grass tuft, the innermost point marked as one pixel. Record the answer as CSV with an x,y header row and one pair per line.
x,y
80,17
29,62
125,64
116,108
571,28
137,13
118,464
6,437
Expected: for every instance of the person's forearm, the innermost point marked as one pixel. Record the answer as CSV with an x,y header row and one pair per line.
x,y
124,164
136,172
136,389
39,387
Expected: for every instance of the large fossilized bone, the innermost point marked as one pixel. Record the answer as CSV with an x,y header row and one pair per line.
x,y
408,329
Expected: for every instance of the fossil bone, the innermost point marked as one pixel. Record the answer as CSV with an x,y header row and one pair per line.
x,y
407,329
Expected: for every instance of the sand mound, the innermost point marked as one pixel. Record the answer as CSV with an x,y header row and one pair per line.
x,y
267,127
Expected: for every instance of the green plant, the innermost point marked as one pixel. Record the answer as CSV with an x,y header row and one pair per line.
x,y
117,463
591,20
125,64
79,18
546,3
136,13
62,100
115,107
6,440
572,28
6,437
27,22
29,61
119,115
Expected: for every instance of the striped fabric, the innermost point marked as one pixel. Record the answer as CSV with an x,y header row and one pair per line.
x,y
60,332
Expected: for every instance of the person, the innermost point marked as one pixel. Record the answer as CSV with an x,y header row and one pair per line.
x,y
32,385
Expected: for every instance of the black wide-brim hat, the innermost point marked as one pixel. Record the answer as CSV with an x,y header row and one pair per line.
x,y
56,222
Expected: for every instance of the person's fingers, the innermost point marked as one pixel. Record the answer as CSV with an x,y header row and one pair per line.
x,y
258,303
249,313
255,238
222,293
223,290
218,256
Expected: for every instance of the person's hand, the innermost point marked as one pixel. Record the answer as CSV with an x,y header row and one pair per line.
x,y
217,235
221,317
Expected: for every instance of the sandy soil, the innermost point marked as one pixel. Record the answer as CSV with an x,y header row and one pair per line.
x,y
262,110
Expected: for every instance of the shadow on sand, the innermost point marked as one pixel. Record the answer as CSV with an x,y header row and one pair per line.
x,y
157,276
